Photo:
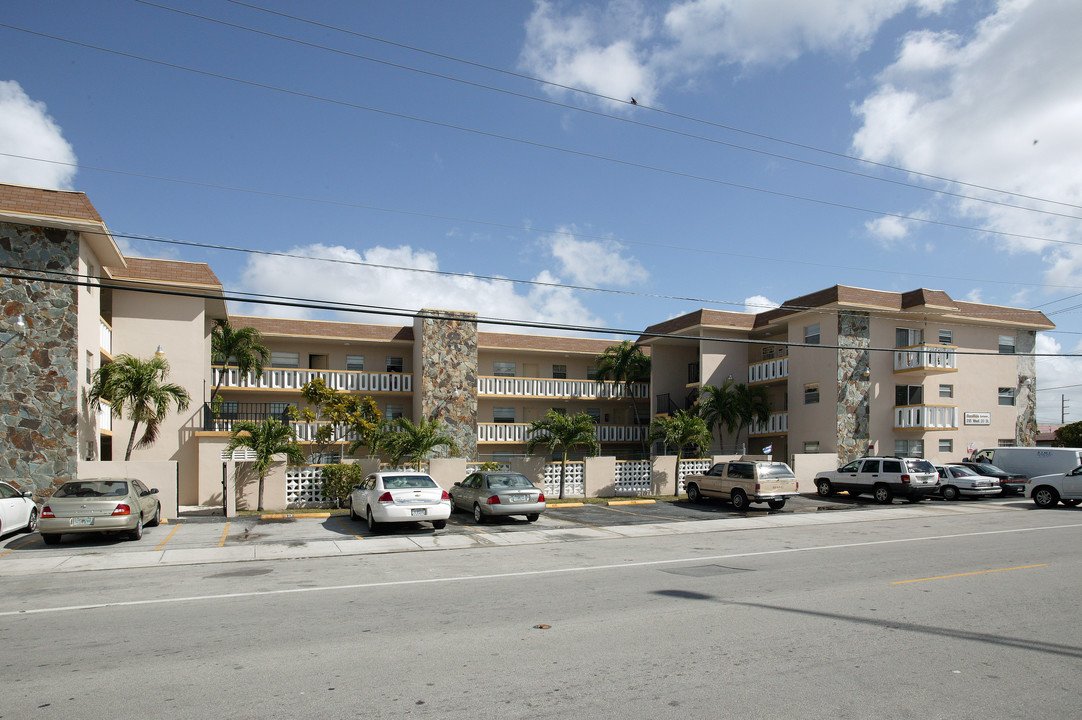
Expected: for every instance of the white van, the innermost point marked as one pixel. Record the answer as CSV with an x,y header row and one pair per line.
x,y
1031,461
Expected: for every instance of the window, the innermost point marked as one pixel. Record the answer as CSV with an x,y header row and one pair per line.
x,y
560,411
907,337
229,410
909,448
908,395
742,471
768,352
1006,396
870,466
595,415
89,367
946,445
1006,345
394,364
279,410
285,359
811,334
591,372
91,273
892,466
1005,442
503,369
503,414
811,447
946,391
559,372
946,337
811,393
355,363
393,412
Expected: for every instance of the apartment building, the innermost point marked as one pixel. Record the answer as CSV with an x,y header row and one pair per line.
x,y
849,371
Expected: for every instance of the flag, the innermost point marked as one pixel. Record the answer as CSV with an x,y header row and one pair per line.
x,y
768,449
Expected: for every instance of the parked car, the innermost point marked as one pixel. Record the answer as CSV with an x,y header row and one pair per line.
x,y
744,481
102,505
399,496
487,494
18,511
1009,483
956,481
1047,490
883,477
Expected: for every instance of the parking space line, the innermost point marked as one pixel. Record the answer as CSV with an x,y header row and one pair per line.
x,y
168,537
342,519
20,545
628,512
976,572
224,534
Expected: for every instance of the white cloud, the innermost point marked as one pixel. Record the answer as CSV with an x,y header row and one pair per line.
x,y
594,263
27,129
888,229
974,296
759,303
342,280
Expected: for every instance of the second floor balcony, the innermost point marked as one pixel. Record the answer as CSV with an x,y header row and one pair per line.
x,y
559,388
521,433
925,417
295,379
777,424
768,371
105,336
927,358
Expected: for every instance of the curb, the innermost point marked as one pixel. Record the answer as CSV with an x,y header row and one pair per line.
x,y
631,502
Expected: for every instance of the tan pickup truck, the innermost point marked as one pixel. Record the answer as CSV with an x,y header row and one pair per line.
x,y
744,481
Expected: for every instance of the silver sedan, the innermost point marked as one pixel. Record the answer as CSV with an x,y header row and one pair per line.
x,y
490,493
99,505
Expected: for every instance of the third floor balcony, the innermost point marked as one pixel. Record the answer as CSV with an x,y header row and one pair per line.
x,y
926,358
295,379
559,388
521,433
767,371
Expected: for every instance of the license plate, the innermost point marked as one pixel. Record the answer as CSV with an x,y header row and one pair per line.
x,y
419,511
82,521
519,498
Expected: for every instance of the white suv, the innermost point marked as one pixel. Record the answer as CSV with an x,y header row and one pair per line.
x,y
882,477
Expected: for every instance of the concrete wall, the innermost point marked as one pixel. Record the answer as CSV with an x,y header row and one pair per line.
x,y
274,487
447,471
807,465
155,475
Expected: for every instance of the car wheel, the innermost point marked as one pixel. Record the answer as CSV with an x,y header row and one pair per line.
x,y
883,495
776,504
949,492
532,517
739,500
439,524
824,487
51,539
478,516
1071,503
373,526
693,494
32,523
137,532
1045,497
157,519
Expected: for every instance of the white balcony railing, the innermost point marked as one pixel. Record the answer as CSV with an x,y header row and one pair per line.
x,y
105,336
563,389
302,431
925,417
105,417
767,370
291,379
778,423
925,357
520,433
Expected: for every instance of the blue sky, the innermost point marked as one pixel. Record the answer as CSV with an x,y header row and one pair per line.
x,y
416,134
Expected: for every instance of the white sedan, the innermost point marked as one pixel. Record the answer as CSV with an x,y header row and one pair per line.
x,y
399,496
17,510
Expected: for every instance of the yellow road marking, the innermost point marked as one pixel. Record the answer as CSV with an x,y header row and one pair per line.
x,y
224,534
20,545
168,537
977,572
342,519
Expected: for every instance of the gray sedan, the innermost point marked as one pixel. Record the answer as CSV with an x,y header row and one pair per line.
x,y
100,505
498,493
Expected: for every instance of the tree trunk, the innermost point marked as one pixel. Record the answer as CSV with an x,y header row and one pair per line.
x,y
563,473
131,440
259,507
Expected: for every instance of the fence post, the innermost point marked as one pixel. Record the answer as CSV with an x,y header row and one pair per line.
x,y
599,476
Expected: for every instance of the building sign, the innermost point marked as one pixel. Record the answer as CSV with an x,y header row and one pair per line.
x,y
977,418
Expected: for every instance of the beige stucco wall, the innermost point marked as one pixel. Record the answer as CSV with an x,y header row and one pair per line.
x,y
816,422
161,476
89,350
447,471
807,465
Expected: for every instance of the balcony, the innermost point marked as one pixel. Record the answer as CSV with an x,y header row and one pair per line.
x,y
520,433
926,358
926,417
293,379
105,336
105,418
768,371
559,389
778,424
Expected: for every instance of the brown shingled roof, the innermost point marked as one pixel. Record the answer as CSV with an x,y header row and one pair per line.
x,y
702,318
47,203
284,327
168,271
549,343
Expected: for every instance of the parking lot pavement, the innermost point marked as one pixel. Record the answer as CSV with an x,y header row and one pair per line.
x,y
206,540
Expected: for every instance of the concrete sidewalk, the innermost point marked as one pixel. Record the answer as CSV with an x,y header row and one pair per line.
x,y
53,563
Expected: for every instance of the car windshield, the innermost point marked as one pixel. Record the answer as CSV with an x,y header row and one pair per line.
x,y
93,488
921,466
512,480
398,482
774,470
963,470
985,467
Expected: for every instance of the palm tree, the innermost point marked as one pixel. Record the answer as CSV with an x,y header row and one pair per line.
x,y
561,433
752,403
267,438
415,441
244,346
139,387
717,406
680,430
624,363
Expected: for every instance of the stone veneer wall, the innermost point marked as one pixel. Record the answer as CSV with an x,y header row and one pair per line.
x,y
854,384
449,375
38,369
1025,432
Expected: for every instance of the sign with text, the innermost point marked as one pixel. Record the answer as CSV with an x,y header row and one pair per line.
x,y
977,418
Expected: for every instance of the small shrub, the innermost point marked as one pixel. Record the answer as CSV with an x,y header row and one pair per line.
x,y
338,481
